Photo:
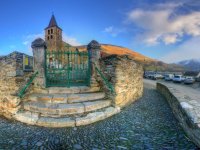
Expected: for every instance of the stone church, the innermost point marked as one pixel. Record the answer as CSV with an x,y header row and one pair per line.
x,y
53,37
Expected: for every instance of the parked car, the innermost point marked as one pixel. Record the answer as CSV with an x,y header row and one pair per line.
x,y
150,76
189,80
169,77
146,75
194,74
157,76
183,78
197,79
178,78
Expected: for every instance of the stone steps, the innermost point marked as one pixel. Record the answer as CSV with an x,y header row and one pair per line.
x,y
97,116
77,98
66,107
66,98
35,119
65,90
63,109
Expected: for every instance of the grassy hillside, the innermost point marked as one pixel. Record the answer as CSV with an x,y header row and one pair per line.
x,y
118,50
148,63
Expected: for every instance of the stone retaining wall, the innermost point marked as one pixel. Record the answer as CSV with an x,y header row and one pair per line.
x,y
126,77
12,79
187,114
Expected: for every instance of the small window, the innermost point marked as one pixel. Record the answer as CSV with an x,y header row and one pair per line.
x,y
48,38
51,36
51,31
48,31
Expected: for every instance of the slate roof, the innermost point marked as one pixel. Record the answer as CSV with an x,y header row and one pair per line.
x,y
53,23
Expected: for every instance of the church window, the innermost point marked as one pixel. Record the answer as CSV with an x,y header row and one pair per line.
x,y
51,36
48,31
51,31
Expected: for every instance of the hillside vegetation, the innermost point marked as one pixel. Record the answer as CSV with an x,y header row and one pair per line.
x,y
148,63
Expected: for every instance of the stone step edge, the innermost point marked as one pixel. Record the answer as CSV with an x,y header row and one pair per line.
x,y
63,90
36,119
97,116
77,108
73,115
66,98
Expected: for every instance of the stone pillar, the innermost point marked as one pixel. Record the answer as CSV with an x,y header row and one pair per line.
x,y
94,49
39,50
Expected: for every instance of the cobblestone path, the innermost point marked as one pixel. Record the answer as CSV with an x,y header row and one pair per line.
x,y
145,124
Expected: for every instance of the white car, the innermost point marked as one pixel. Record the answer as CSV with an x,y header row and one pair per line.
x,y
157,76
150,76
178,78
169,77
189,80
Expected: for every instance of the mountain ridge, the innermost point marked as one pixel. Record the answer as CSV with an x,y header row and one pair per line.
x,y
109,49
190,64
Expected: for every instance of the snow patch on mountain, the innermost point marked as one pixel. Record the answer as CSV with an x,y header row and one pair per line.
x,y
192,64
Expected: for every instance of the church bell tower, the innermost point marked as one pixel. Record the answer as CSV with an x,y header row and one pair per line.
x,y
53,35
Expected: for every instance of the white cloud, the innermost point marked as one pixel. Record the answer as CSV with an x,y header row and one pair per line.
x,y
71,40
161,24
25,42
28,39
188,50
170,39
113,31
31,37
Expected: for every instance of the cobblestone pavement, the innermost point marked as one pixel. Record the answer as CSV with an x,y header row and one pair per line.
x,y
146,124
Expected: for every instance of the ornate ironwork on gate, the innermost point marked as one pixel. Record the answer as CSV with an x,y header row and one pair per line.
x,y
67,68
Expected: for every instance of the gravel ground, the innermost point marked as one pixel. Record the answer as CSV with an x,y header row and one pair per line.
x,y
146,124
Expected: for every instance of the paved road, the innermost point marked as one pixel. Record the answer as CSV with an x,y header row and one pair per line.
x,y
187,91
150,82
146,124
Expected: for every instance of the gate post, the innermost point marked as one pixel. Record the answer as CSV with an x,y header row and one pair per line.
x,y
39,52
94,49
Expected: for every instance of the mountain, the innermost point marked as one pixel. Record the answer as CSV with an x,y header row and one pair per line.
x,y
148,63
191,65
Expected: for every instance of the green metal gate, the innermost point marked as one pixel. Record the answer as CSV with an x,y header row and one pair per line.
x,y
67,68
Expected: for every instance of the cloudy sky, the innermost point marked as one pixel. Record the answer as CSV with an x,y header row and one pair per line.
x,y
167,30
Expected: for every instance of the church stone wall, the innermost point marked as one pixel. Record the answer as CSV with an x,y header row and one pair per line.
x,y
126,77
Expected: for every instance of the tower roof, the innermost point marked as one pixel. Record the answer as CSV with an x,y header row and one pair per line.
x,y
53,23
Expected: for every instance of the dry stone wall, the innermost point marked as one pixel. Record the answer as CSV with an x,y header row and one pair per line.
x,y
12,79
186,110
125,75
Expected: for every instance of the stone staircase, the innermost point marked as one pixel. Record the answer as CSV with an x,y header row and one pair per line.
x,y
65,107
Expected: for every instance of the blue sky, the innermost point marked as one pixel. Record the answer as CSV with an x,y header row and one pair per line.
x,y
168,30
